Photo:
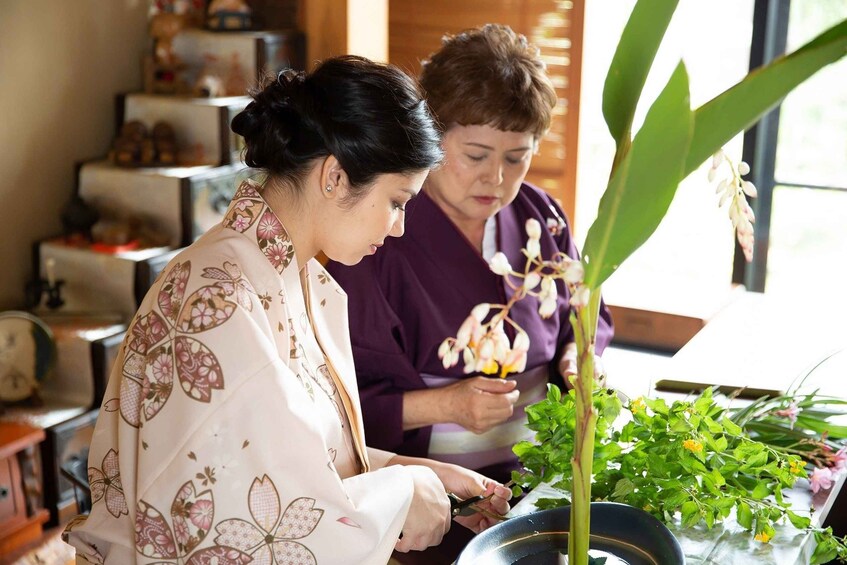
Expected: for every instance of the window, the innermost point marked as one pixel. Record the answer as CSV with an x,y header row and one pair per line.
x,y
801,153
686,267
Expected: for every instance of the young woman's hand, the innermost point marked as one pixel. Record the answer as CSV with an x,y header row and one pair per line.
x,y
429,514
465,483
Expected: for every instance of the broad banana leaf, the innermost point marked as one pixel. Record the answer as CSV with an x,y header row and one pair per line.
x,y
643,185
632,61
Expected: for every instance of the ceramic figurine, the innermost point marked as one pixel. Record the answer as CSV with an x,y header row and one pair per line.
x,y
229,15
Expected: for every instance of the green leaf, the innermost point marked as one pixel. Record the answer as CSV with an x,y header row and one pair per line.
x,y
744,516
731,426
690,514
762,490
622,488
632,61
720,119
799,522
643,185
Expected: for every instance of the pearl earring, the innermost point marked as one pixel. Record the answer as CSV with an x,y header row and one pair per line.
x,y
328,188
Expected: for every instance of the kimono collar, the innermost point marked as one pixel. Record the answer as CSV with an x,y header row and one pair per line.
x,y
251,215
461,261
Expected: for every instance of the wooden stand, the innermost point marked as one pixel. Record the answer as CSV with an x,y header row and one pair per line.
x,y
21,516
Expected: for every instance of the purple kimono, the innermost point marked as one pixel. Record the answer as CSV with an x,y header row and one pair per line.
x,y
416,291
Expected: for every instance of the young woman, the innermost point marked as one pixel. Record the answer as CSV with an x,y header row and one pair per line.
x,y
231,430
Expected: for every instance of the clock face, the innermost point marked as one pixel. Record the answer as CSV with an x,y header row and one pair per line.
x,y
27,352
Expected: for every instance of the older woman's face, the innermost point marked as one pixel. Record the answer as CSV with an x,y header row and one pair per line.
x,y
482,171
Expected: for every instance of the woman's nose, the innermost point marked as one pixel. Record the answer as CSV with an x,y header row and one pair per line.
x,y
399,226
494,174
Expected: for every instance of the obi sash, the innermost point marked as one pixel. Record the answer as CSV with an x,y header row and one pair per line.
x,y
454,444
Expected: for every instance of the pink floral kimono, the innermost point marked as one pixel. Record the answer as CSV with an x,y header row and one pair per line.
x,y
231,430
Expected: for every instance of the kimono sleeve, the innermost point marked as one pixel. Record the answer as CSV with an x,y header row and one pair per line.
x,y
383,365
274,491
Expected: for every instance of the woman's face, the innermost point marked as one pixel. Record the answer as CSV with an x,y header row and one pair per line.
x,y
361,229
482,171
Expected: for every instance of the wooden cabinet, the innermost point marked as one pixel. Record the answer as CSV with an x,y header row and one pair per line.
x,y
21,515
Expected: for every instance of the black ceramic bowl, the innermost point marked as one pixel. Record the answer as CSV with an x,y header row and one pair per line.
x,y
619,530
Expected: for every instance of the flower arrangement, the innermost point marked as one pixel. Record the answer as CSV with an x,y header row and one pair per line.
x,y
646,171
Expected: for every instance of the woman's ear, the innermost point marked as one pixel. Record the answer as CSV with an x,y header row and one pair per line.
x,y
334,180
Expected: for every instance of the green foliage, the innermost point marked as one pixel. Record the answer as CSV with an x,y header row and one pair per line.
x,y
687,460
628,72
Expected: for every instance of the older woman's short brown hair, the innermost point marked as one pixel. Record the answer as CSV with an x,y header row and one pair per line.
x,y
489,76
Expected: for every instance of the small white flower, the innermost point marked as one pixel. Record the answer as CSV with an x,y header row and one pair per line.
x,y
749,188
480,311
499,264
466,331
548,306
533,248
743,168
486,350
575,273
444,348
531,281
533,228
580,297
711,175
521,341
717,158
470,362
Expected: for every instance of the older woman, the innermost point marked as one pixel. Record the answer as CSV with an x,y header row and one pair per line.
x,y
489,90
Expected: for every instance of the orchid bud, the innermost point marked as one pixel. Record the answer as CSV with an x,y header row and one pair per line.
x,y
533,228
486,350
749,188
444,348
480,311
499,264
743,168
717,158
531,280
463,336
574,273
521,341
548,306
470,362
533,248
580,297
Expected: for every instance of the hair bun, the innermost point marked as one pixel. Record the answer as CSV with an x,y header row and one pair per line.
x,y
273,118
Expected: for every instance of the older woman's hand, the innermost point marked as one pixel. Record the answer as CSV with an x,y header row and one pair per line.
x,y
568,366
480,403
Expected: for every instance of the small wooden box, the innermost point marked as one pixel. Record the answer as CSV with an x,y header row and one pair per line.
x,y
182,202
260,53
21,514
101,283
86,349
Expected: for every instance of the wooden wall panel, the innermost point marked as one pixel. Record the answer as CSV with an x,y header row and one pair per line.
x,y
415,30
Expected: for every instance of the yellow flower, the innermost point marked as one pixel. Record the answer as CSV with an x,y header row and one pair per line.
x,y
796,467
762,537
693,446
637,405
489,367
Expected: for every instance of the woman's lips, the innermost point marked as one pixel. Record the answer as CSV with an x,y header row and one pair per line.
x,y
485,200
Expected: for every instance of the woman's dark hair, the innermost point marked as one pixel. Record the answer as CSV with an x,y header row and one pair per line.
x,y
489,75
372,117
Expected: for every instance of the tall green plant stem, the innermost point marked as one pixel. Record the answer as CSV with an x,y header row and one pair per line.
x,y
584,322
